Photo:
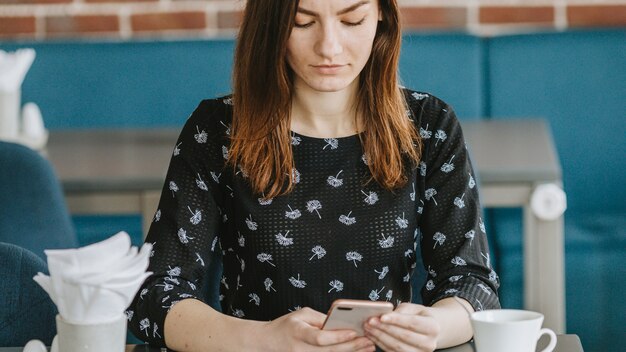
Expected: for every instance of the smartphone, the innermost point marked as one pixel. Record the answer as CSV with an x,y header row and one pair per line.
x,y
352,314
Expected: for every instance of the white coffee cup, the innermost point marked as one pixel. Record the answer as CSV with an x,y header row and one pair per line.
x,y
104,337
509,330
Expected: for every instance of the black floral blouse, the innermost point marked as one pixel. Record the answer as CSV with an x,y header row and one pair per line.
x,y
335,236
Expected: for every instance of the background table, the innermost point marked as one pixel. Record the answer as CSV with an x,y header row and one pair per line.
x,y
122,172
565,343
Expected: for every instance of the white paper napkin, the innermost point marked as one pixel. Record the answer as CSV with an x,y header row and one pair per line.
x,y
96,283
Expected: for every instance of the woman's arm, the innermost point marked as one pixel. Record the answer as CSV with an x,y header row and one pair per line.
x,y
194,326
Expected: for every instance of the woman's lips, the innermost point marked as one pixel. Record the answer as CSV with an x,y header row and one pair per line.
x,y
328,69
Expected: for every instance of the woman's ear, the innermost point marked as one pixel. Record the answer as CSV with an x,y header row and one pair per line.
x,y
380,15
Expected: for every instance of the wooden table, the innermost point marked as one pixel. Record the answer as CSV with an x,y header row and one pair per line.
x,y
122,172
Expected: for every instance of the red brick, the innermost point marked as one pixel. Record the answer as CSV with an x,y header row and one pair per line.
x,y
167,21
61,25
596,16
230,19
10,26
516,14
27,2
433,17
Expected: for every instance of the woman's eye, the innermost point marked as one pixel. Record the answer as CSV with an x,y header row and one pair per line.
x,y
303,25
352,23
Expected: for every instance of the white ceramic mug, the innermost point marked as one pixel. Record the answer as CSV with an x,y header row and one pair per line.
x,y
104,337
509,330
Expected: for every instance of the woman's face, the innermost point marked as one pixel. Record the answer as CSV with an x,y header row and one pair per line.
x,y
331,42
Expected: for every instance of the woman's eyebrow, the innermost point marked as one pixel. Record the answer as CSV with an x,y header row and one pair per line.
x,y
340,12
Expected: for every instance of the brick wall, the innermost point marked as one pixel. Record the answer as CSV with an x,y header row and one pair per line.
x,y
161,19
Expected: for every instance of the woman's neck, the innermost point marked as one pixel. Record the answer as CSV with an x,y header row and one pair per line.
x,y
324,114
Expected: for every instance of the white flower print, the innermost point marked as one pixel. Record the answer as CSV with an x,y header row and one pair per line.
x,y
386,242
493,277
297,282
166,286
185,295
238,313
481,224
255,298
176,149
370,198
472,183
422,167
459,201
333,143
295,175
382,273
227,131
157,215
389,295
485,289
292,213
231,194
430,194
365,159
439,239
406,278
182,236
318,251
412,194
242,263
223,281
215,176
193,287
347,220
402,222
224,152
228,101
265,201
268,285
241,240
295,140
451,291
264,257
200,183
144,324
470,236
251,224
448,167
455,278
196,216
283,240
199,259
420,209
432,272
430,285
488,262
215,239
143,293
440,136
172,280
200,137
335,181
173,187
336,285
295,308
354,257
314,206
129,314
458,261
425,133
419,96
408,252
375,295
175,271
154,330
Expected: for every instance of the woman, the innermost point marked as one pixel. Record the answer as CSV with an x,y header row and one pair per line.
x,y
315,180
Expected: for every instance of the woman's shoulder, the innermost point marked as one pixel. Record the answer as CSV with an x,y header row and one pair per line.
x,y
428,109
212,115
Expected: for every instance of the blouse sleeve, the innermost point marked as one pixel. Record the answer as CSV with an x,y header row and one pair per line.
x,y
454,243
183,231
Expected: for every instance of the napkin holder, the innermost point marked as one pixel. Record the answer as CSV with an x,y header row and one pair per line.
x,y
100,337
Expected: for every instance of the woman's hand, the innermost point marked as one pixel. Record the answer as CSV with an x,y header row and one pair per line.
x,y
410,327
302,331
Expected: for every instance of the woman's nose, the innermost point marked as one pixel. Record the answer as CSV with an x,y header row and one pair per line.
x,y
329,43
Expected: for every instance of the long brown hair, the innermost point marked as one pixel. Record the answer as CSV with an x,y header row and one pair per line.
x,y
263,88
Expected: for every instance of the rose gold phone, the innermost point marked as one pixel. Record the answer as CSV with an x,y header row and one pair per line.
x,y
352,313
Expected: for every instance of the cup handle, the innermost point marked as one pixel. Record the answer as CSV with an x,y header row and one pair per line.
x,y
552,343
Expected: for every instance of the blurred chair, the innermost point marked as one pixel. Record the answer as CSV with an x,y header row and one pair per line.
x,y
33,212
26,310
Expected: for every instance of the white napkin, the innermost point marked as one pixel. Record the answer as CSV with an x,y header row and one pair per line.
x,y
13,68
96,283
